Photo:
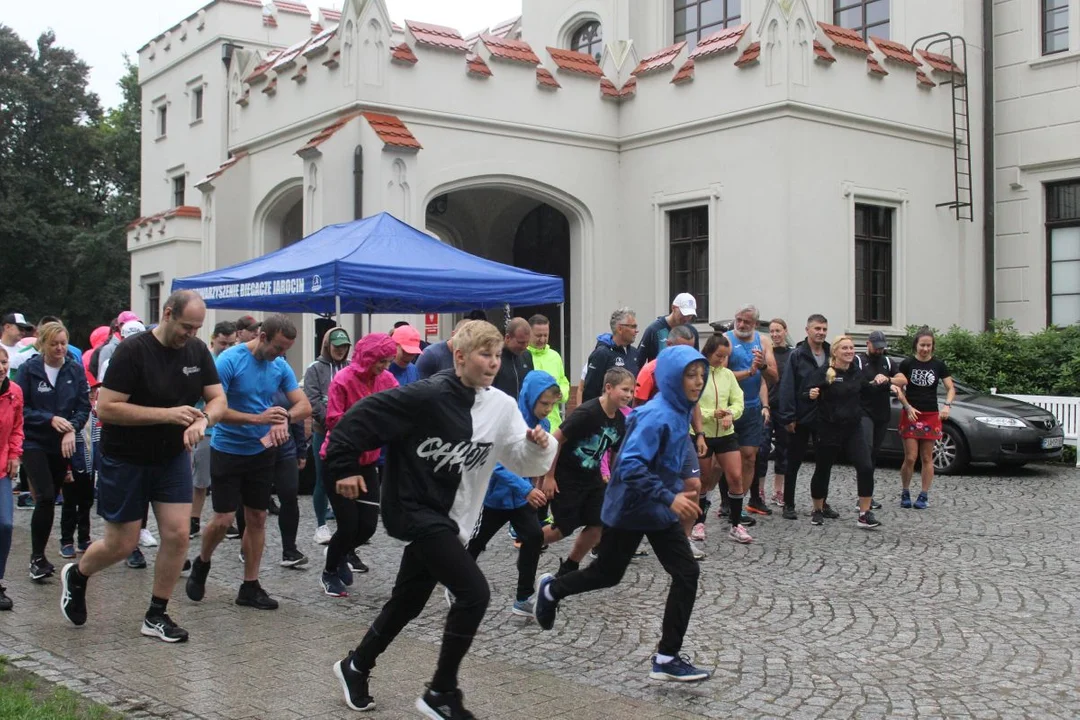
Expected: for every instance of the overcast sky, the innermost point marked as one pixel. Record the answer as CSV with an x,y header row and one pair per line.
x,y
101,31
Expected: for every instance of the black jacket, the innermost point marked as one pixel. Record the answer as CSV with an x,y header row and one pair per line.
x,y
69,398
876,402
781,354
841,401
605,356
513,371
795,382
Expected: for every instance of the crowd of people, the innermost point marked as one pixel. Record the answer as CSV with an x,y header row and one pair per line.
x,y
446,443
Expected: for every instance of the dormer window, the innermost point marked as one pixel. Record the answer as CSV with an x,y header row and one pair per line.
x,y
698,19
588,39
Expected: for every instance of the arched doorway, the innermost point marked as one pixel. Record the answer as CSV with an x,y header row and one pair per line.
x,y
542,244
282,224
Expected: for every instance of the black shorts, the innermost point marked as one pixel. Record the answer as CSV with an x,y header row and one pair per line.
x,y
721,445
237,480
126,489
578,505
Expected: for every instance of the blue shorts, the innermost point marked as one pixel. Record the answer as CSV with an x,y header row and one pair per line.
x,y
750,427
126,489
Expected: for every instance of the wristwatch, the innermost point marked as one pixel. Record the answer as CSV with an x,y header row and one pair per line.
x,y
205,417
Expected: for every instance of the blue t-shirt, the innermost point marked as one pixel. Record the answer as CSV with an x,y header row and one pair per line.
x,y
740,360
249,386
404,375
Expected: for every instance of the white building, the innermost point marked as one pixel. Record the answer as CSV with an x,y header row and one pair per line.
x,y
744,151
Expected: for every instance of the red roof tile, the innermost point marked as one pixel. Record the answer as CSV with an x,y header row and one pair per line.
x,y
292,7
328,132
659,59
319,43
874,66
188,211
331,15
513,50
269,20
226,165
392,131
845,38
719,42
608,90
572,61
629,89
546,80
924,79
750,55
300,75
477,67
271,87
288,56
334,59
685,74
437,36
941,63
259,73
403,55
822,53
895,51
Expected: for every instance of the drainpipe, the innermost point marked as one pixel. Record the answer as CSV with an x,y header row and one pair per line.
x,y
989,164
358,183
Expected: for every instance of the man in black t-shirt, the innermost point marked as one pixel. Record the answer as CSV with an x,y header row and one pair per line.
x,y
149,427
574,484
877,408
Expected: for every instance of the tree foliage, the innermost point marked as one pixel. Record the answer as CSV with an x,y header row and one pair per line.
x,y
69,183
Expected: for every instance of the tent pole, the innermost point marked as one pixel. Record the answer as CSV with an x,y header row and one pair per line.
x,y
562,331
337,310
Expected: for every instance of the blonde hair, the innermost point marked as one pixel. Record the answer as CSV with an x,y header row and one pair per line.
x,y
830,374
46,333
477,335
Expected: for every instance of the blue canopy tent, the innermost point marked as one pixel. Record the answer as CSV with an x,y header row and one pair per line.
x,y
375,265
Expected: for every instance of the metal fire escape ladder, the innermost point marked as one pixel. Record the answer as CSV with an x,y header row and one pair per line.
x,y
962,203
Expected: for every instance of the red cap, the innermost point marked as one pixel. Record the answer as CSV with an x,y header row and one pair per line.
x,y
408,338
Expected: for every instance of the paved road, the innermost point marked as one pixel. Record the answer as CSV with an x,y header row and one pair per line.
x,y
969,609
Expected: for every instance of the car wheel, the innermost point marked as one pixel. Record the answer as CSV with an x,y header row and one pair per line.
x,y
950,452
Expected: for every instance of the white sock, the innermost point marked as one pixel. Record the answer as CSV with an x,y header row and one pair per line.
x,y
664,659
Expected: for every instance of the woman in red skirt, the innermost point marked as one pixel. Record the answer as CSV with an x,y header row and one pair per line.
x,y
920,422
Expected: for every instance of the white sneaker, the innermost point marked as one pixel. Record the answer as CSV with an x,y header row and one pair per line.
x,y
698,533
323,535
738,534
146,539
696,550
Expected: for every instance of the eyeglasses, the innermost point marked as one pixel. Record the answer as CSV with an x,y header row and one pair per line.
x,y
627,325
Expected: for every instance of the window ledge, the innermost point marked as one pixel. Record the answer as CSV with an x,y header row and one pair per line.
x,y
197,121
159,138
1058,58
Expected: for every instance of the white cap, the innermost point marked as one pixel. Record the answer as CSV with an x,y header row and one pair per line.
x,y
131,327
686,303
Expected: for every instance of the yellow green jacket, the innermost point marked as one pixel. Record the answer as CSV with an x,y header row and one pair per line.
x,y
721,391
551,362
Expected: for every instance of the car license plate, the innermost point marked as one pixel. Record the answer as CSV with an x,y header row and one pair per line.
x,y
1052,442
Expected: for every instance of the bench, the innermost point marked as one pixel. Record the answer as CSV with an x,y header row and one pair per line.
x,y
1065,409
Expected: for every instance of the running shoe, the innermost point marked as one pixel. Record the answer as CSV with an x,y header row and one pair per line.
x,y
524,608
817,518
566,567
147,539
232,533
545,609
254,596
758,507
448,597
695,550
829,513
874,504
355,563
698,533
678,669
738,534
747,519
905,499
67,551
83,545
511,532
778,498
333,586
194,531
723,511
345,572
641,552
25,502
323,535
72,596
196,582
163,628
443,705
274,508
40,568
789,513
354,684
240,556
867,521
5,601
293,559
922,502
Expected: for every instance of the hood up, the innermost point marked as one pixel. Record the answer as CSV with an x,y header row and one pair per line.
x,y
671,363
372,348
536,383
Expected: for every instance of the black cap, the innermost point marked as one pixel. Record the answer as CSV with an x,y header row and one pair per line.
x,y
16,318
877,340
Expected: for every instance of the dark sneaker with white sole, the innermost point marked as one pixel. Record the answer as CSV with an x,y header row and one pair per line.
x,y
293,559
443,705
163,628
72,596
333,586
354,684
817,518
196,582
254,596
355,563
678,669
232,533
828,512
867,521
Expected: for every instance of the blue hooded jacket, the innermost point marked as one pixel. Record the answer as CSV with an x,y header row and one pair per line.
x,y
647,474
508,491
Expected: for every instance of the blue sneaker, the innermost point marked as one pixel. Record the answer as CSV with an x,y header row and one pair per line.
x,y
678,669
25,502
922,502
905,499
136,560
511,532
524,608
544,609
67,551
83,545
345,573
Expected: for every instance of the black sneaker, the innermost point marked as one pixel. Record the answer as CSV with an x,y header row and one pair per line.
x,y
789,513
72,596
545,609
565,567
274,508
40,568
355,563
5,601
354,684
758,506
829,512
867,521
333,586
136,560
817,518
196,582
232,533
254,596
293,559
163,628
874,504
439,705
195,529
344,571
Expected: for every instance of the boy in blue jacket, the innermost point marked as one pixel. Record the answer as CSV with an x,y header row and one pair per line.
x,y
512,498
647,497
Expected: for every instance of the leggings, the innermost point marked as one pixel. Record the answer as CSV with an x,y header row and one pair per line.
x,y
527,527
75,512
436,558
798,442
286,485
7,521
833,439
318,494
356,519
46,472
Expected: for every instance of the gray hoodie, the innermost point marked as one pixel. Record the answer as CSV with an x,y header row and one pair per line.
x,y
317,381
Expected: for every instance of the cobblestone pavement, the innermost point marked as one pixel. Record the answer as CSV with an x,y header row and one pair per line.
x,y
968,609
